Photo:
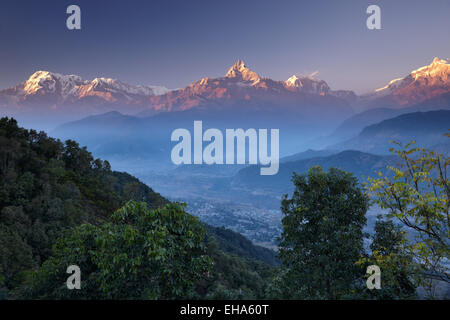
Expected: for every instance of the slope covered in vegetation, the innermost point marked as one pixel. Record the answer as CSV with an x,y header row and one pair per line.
x,y
48,188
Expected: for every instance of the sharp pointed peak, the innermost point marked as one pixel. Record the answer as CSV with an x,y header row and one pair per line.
x,y
239,64
293,81
437,60
240,70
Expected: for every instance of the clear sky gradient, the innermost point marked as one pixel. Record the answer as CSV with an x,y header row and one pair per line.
x,y
174,43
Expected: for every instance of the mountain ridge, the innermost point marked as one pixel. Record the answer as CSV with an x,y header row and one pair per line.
x,y
427,128
66,88
419,85
241,84
362,164
52,98
60,89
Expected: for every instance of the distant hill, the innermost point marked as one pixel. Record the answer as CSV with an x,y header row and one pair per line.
x,y
354,125
359,163
126,137
427,128
114,134
235,243
308,154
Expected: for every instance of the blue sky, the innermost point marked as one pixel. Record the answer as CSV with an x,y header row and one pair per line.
x,y
174,43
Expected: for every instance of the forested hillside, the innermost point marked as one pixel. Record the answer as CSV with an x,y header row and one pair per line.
x,y
48,188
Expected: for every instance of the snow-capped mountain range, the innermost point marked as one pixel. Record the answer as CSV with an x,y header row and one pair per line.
x,y
44,88
241,85
46,92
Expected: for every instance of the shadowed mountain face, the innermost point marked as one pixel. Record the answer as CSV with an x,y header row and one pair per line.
x,y
361,164
354,125
427,128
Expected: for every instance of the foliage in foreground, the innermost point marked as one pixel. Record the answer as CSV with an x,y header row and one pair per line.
x,y
388,252
140,254
417,196
147,254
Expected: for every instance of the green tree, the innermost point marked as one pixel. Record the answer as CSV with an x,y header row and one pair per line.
x,y
416,193
322,235
232,277
140,254
396,264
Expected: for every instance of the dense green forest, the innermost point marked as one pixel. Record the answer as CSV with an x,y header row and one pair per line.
x,y
60,207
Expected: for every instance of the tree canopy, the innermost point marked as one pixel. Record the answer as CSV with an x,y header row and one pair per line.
x,y
322,235
140,254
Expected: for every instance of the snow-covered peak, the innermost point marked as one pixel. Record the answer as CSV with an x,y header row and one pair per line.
x,y
159,90
308,84
74,86
436,73
239,65
36,81
437,60
119,86
293,81
240,70
437,68
51,83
